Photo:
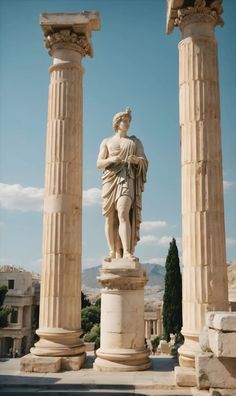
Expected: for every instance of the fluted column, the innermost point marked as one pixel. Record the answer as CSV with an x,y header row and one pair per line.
x,y
67,36
203,232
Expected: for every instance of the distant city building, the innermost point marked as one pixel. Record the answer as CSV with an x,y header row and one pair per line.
x,y
23,300
153,322
232,286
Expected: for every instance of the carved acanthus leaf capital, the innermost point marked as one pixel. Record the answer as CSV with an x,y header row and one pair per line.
x,y
200,10
66,38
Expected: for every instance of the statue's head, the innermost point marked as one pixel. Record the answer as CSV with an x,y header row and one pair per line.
x,y
124,117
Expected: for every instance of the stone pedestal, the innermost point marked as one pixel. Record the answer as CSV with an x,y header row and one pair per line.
x,y
204,256
122,318
68,38
164,347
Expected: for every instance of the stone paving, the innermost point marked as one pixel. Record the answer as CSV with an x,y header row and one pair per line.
x,y
159,380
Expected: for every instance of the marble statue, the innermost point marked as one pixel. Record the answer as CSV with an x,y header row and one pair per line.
x,y
124,167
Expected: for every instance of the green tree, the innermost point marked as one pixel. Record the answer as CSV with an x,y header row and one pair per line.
x,y
93,336
3,292
4,312
172,301
98,302
84,300
89,317
155,343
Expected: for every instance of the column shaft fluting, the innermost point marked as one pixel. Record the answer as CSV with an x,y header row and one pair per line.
x,y
203,231
60,300
63,202
68,38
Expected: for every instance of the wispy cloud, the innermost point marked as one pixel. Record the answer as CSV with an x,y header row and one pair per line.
x,y
4,261
227,184
92,196
148,240
156,260
152,225
17,197
30,199
165,240
35,265
154,240
230,241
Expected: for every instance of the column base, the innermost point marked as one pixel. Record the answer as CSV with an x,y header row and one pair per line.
x,y
58,349
58,342
127,360
50,364
187,352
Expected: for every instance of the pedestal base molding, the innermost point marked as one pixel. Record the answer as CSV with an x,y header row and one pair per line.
x,y
122,318
45,364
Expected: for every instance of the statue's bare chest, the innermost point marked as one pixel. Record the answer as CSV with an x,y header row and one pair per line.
x,y
115,144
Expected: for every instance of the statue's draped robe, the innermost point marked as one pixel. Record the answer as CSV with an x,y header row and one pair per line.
x,y
126,179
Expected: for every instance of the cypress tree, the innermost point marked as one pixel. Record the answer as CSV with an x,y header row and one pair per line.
x,y
4,312
172,300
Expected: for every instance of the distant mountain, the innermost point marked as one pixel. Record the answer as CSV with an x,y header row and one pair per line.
x,y
155,274
89,276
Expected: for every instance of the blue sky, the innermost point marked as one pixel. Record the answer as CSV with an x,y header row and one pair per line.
x,y
135,64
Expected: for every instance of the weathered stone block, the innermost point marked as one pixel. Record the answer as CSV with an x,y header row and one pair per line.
x,y
32,363
213,372
224,321
72,362
89,346
185,376
222,344
222,392
198,392
204,339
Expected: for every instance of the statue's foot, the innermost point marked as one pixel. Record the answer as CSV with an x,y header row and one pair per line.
x,y
110,257
130,257
118,255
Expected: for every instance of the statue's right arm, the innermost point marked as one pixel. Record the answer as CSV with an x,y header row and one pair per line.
x,y
103,161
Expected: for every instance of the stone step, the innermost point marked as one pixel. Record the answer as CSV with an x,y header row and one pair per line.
x,y
91,390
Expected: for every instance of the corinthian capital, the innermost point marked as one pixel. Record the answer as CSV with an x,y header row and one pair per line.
x,y
180,12
67,39
70,30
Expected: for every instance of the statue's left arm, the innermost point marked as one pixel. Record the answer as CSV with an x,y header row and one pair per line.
x,y
141,161
140,165
139,158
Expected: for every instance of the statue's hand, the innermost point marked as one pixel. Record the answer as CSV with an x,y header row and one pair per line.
x,y
133,159
115,159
